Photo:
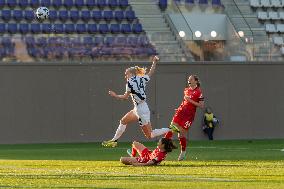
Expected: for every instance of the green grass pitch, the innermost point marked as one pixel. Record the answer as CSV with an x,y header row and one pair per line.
x,y
256,164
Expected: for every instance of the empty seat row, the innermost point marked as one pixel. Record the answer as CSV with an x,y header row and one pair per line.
x,y
73,15
200,2
65,3
278,40
70,28
272,28
270,15
267,3
87,41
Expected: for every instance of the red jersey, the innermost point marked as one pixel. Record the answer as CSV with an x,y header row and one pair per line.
x,y
195,95
147,155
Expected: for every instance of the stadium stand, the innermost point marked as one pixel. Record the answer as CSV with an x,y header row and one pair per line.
x,y
106,27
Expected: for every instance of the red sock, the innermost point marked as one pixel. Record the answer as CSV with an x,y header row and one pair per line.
x,y
182,142
134,152
169,135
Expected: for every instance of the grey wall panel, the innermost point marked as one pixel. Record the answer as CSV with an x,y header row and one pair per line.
x,y
70,103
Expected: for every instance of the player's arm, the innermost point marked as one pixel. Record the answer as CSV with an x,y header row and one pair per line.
x,y
151,162
119,97
199,104
153,67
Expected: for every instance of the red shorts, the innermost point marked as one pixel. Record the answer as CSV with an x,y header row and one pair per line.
x,y
183,120
145,156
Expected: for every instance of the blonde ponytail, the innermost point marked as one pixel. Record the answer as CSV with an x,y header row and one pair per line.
x,y
140,71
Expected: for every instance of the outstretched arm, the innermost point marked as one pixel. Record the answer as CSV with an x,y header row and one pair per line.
x,y
153,67
119,97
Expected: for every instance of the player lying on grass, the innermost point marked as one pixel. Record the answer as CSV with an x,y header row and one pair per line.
x,y
136,80
146,156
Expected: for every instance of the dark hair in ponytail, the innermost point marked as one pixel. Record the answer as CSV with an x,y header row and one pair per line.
x,y
169,145
196,78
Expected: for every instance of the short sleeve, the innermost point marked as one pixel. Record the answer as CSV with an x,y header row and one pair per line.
x,y
128,87
146,78
200,96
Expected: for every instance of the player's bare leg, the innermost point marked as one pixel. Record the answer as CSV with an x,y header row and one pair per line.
x,y
130,117
128,160
149,133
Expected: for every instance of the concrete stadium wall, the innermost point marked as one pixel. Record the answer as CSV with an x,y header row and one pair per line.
x,y
69,103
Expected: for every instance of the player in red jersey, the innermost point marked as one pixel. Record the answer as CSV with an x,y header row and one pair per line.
x,y
146,156
184,116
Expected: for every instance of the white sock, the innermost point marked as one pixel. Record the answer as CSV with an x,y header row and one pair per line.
x,y
159,132
120,130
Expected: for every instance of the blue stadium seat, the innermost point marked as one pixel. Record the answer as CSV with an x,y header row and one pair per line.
x,y
23,3
29,15
114,28
143,41
217,3
74,15
119,15
79,3
125,28
130,15
203,2
68,4
132,41
108,15
101,3
109,41
69,28
41,42
52,15
123,3
57,3
45,3
34,3
2,28
81,28
90,3
88,41
30,41
2,3
63,15
121,41
12,3
99,40
189,2
12,28
18,15
163,4
92,28
24,28
35,28
6,15
103,28
46,28
97,15
137,28
58,28
112,4
86,15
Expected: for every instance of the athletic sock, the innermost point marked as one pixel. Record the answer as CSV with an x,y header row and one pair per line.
x,y
182,142
169,135
159,132
120,130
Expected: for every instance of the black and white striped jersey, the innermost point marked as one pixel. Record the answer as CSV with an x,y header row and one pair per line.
x,y
136,86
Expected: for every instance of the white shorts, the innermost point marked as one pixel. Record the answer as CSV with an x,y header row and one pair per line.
x,y
143,112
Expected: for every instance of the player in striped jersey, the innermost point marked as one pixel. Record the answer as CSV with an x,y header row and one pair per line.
x,y
137,79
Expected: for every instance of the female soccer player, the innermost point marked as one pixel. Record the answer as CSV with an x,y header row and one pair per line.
x,y
136,78
146,156
184,116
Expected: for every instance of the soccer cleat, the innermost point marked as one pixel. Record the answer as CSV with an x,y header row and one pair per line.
x,y
174,128
181,156
109,143
129,152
